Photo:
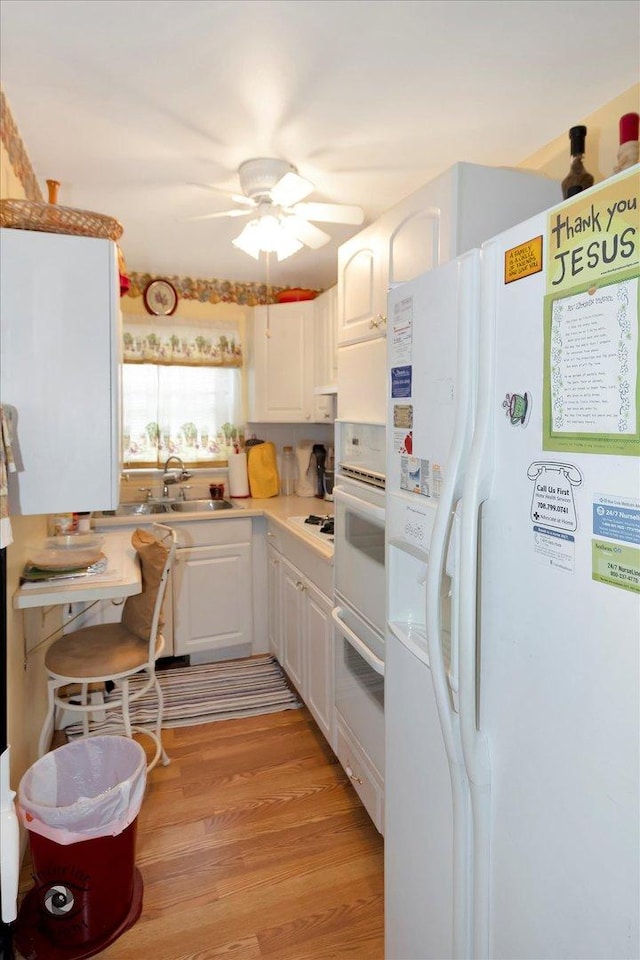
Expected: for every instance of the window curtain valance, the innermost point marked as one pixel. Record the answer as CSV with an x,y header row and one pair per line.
x,y
178,341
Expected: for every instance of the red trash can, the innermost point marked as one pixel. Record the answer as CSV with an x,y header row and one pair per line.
x,y
79,804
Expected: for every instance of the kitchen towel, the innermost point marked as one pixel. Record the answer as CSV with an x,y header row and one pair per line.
x,y
7,466
238,479
262,466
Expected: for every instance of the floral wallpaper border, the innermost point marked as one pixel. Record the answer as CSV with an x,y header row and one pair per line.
x,y
210,291
18,156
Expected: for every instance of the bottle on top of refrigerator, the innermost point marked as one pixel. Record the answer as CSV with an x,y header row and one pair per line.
x,y
577,179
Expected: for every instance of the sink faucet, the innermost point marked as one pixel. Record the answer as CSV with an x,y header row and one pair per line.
x,y
175,476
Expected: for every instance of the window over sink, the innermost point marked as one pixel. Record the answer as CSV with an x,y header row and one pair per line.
x,y
181,391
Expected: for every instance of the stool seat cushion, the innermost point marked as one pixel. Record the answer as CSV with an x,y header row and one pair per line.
x,y
105,650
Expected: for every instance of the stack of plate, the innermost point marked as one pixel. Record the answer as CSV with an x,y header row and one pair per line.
x,y
71,552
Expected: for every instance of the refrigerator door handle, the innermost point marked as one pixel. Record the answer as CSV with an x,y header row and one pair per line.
x,y
476,490
440,549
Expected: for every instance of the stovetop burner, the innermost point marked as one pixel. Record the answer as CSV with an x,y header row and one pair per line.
x,y
320,527
325,523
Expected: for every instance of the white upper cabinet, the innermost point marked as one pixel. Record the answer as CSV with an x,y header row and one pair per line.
x,y
281,364
458,210
326,327
326,355
59,369
292,368
362,291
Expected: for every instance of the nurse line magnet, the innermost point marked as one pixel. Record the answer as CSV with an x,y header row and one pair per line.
x,y
552,503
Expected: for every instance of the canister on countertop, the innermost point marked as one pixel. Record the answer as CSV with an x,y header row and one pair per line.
x,y
288,472
307,482
62,524
84,522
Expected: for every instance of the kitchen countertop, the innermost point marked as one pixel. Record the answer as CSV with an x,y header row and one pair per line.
x,y
279,509
121,579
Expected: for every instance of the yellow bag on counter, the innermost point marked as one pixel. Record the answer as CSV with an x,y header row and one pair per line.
x,y
262,468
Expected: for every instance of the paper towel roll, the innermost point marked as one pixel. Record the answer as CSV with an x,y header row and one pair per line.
x,y
238,479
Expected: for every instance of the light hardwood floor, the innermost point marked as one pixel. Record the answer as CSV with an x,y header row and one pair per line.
x,y
253,846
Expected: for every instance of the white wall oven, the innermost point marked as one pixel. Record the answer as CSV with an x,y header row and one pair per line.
x,y
359,613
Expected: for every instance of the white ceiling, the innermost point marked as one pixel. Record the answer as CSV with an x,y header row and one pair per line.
x,y
134,105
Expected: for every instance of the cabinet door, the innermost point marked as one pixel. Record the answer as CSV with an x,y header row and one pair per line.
x,y
274,601
319,649
212,602
293,637
59,367
282,364
362,286
326,356
326,328
413,231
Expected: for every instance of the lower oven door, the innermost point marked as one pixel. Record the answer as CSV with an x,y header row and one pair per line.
x,y
359,550
360,683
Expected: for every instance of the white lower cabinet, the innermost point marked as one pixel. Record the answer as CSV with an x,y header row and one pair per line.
x,y
293,626
212,591
274,602
301,628
319,650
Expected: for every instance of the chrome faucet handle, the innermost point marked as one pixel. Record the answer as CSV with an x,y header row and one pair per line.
x,y
181,493
146,490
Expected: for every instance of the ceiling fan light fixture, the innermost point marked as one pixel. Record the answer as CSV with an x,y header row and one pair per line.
x,y
266,234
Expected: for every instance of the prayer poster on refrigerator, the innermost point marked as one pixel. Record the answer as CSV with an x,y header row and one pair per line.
x,y
591,399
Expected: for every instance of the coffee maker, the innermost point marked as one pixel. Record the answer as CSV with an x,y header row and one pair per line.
x,y
320,456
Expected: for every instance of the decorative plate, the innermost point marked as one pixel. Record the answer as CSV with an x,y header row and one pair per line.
x,y
160,298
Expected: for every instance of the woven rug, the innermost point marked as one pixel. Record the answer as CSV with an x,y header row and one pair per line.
x,y
202,694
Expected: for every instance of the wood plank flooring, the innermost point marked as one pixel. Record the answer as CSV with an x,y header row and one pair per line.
x,y
253,846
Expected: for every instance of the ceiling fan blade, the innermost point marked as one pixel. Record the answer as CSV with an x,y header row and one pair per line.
x,y
238,197
290,188
221,213
329,212
304,231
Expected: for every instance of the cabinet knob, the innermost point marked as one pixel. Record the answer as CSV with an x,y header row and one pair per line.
x,y
307,416
352,775
378,321
299,585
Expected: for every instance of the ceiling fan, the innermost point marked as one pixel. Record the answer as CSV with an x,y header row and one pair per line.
x,y
272,191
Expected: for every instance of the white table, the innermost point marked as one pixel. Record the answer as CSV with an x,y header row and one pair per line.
x,y
122,578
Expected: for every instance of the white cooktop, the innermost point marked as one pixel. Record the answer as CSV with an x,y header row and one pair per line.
x,y
313,529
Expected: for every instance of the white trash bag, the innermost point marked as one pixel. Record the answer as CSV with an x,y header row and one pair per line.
x,y
91,787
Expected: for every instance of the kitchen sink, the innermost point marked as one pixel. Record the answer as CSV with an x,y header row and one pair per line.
x,y
200,506
136,509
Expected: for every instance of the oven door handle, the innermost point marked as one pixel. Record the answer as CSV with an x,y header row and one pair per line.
x,y
365,509
374,662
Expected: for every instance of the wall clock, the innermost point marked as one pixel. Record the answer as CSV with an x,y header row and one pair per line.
x,y
160,298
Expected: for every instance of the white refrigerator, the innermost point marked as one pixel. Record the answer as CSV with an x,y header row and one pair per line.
x,y
512,681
